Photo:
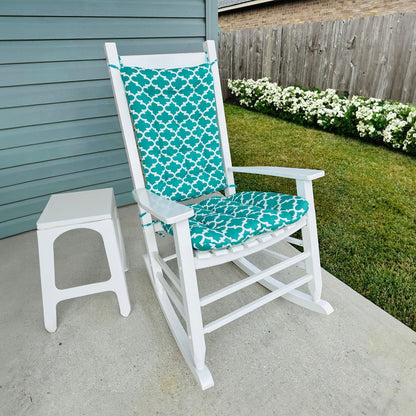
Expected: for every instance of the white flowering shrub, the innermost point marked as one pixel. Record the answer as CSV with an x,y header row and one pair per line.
x,y
389,123
409,143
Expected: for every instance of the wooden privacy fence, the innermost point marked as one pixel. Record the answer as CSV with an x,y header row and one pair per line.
x,y
371,56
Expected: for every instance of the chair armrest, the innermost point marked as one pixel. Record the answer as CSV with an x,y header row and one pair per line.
x,y
170,212
292,173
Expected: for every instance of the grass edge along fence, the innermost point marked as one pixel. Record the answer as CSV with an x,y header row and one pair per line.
x,y
392,124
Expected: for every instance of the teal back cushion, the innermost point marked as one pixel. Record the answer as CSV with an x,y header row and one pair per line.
x,y
174,115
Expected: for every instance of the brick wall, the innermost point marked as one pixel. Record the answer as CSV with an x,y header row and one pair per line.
x,y
301,11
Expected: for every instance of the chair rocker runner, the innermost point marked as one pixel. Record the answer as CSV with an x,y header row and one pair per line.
x,y
172,119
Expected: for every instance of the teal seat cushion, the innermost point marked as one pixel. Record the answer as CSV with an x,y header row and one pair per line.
x,y
223,222
175,119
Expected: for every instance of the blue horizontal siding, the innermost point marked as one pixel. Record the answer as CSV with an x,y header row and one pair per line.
x,y
62,183
51,72
29,95
94,8
59,131
43,152
53,113
27,51
20,28
45,133
44,169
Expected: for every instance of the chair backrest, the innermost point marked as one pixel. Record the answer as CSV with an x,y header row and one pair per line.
x,y
171,105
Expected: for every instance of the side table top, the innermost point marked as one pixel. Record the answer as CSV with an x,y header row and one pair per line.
x,y
76,208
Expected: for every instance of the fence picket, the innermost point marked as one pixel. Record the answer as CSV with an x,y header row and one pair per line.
x,y
371,56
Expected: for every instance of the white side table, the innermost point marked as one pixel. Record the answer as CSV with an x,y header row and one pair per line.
x,y
95,210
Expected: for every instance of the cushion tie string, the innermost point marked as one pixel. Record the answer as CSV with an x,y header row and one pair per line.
x,y
210,63
151,223
147,224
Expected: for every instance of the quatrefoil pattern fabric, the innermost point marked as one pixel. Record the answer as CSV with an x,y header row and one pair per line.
x,y
223,222
174,115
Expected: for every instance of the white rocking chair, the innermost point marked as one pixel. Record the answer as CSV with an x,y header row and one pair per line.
x,y
173,124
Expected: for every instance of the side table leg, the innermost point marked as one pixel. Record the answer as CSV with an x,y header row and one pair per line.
x,y
47,277
108,231
120,241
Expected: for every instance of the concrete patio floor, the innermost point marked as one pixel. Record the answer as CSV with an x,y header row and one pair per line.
x,y
279,360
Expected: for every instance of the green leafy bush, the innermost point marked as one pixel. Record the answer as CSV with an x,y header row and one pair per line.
x,y
378,121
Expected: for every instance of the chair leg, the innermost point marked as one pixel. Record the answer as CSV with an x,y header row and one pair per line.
x,y
312,263
310,241
191,301
191,342
190,292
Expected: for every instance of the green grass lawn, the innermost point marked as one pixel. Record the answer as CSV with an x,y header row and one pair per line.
x,y
366,203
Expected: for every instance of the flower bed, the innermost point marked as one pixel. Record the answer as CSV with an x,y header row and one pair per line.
x,y
389,123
